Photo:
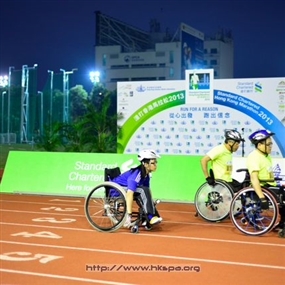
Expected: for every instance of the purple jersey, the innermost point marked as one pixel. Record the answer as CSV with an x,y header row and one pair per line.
x,y
132,179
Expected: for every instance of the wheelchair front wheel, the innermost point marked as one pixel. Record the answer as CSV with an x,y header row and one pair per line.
x,y
105,207
213,202
251,219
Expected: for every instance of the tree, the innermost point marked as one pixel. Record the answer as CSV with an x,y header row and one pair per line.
x,y
93,127
50,140
100,128
77,97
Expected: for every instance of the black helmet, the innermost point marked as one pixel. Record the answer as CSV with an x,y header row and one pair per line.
x,y
260,136
233,135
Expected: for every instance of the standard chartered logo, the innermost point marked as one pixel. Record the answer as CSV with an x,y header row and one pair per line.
x,y
89,171
127,165
94,172
81,165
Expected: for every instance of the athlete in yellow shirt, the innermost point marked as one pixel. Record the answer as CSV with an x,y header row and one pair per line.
x,y
221,159
259,163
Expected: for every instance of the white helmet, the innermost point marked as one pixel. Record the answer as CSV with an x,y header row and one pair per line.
x,y
147,154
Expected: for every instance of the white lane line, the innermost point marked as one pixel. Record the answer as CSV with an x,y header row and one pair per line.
x,y
64,277
149,255
154,235
43,212
165,221
81,205
213,240
82,215
44,203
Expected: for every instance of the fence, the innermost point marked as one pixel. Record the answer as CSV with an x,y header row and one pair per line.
x,y
7,138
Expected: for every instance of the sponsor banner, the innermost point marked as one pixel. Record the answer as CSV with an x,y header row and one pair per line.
x,y
75,174
192,49
199,86
161,115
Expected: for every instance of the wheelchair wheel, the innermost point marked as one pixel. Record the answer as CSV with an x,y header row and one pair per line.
x,y
213,202
105,207
251,219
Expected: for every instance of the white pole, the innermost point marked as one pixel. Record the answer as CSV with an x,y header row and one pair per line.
x,y
51,96
9,102
2,125
41,115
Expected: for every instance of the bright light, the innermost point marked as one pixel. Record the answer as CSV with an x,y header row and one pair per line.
x,y
3,81
94,76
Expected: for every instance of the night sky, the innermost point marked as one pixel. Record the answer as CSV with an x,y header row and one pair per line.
x,y
61,33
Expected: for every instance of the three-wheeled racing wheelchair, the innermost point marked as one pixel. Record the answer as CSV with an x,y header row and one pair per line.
x,y
212,203
216,203
251,219
105,206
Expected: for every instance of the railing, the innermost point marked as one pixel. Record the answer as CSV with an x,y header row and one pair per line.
x,y
6,138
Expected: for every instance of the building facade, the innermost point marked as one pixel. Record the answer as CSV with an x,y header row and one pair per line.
x,y
219,54
124,53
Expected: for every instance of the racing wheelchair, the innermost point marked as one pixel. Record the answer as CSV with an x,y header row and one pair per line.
x,y
106,209
212,203
251,219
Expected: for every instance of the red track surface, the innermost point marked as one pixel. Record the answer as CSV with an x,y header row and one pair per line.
x,y
47,240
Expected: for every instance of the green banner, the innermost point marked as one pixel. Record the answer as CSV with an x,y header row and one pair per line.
x,y
144,113
74,174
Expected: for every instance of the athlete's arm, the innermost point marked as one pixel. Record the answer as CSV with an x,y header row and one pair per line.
x,y
256,184
204,165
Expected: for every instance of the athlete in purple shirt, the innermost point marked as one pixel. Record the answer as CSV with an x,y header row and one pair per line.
x,y
137,183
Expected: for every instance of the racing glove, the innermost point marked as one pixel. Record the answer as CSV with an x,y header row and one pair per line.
x,y
210,180
264,205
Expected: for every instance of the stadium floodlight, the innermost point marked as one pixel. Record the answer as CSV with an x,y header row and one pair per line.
x,y
94,76
4,80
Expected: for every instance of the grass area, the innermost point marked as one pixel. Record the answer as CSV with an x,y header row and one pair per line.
x,y
5,148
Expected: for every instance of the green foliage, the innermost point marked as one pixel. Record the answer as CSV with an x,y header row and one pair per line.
x,y
93,126
100,129
51,139
77,97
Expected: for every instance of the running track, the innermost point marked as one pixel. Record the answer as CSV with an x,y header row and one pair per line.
x,y
47,240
